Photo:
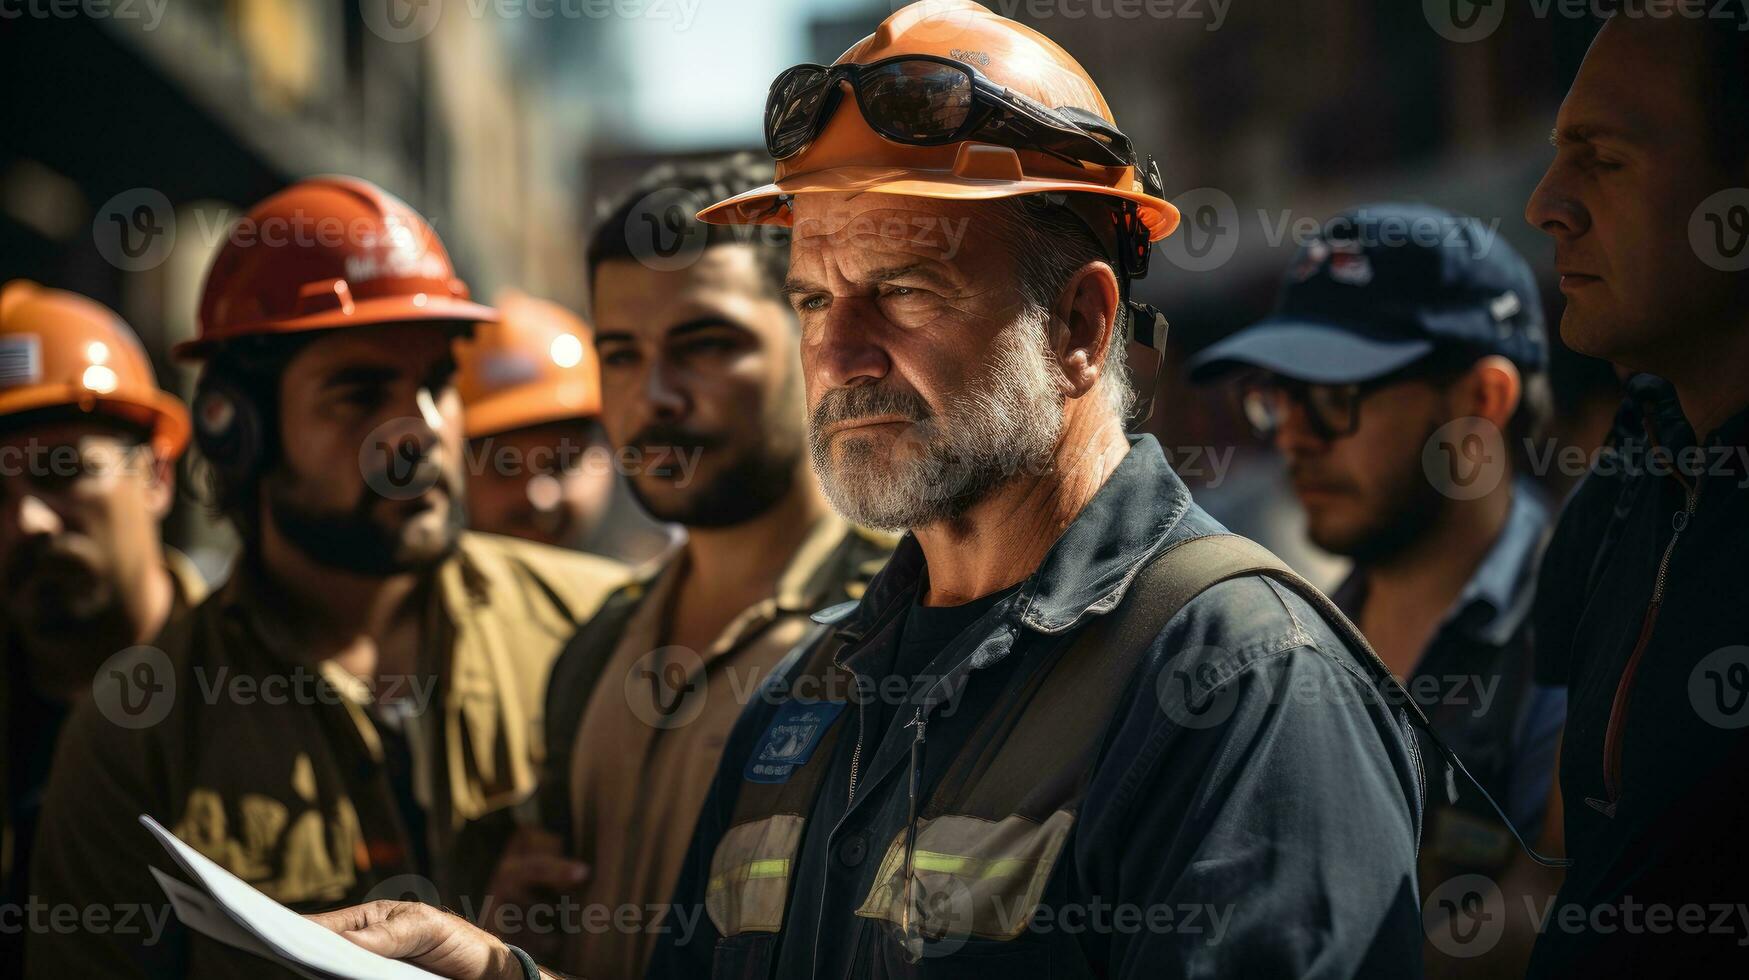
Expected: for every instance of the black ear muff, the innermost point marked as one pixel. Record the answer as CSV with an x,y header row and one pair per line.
x,y
227,428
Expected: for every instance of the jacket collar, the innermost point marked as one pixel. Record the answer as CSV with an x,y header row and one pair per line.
x,y
1494,603
1087,572
1662,421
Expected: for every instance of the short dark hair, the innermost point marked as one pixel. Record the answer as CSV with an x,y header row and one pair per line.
x,y
671,195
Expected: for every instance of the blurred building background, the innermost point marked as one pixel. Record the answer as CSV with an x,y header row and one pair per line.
x,y
152,123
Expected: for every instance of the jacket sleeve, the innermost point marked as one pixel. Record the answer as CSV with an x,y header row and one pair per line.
x,y
1259,806
92,858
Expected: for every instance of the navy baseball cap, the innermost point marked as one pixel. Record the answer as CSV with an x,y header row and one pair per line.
x,y
1383,286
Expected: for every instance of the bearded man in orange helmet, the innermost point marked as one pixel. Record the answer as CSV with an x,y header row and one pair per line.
x,y
538,465
1072,728
356,712
88,448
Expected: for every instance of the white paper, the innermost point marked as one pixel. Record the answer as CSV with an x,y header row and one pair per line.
x,y
199,912
261,925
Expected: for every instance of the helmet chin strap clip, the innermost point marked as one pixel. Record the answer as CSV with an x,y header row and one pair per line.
x,y
1144,355
1146,326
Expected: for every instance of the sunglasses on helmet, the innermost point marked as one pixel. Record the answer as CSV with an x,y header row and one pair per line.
x,y
922,100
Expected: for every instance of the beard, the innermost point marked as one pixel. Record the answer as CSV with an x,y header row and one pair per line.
x,y
65,609
1410,505
60,586
750,483
1001,425
357,541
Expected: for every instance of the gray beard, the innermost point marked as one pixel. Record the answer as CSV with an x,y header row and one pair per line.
x,y
1003,425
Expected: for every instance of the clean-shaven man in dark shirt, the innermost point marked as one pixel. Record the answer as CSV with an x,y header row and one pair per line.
x,y
1645,613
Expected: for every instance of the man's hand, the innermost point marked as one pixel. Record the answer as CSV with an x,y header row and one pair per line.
x,y
533,870
425,937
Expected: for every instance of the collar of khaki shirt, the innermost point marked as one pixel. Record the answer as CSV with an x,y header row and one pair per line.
x,y
801,589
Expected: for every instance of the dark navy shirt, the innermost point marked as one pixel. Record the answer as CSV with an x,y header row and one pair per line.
x,y
1476,682
1656,752
1270,831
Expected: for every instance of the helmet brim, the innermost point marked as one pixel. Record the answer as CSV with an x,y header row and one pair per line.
x,y
161,412
762,205
529,405
365,313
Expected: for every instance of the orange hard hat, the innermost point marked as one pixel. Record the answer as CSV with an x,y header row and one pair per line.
x,y
848,156
537,364
62,349
328,252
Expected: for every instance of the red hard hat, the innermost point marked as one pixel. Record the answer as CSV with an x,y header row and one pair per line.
x,y
324,253
61,349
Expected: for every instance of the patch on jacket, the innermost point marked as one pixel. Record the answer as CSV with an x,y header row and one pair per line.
x,y
789,741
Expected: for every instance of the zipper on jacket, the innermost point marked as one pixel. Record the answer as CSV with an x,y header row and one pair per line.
x,y
911,934
855,761
1612,739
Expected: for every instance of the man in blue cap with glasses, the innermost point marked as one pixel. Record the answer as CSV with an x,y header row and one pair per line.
x,y
1401,376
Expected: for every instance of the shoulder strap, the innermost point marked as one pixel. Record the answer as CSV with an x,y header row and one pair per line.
x,y
1067,706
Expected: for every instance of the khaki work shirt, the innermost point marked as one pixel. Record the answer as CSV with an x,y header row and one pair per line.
x,y
274,769
653,731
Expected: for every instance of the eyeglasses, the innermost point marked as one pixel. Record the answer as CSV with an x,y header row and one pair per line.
x,y
1332,411
923,100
